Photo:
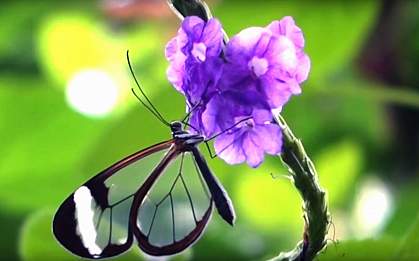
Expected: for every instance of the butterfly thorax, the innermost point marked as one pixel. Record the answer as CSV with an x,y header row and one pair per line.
x,y
183,137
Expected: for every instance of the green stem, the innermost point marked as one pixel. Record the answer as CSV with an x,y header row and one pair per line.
x,y
316,214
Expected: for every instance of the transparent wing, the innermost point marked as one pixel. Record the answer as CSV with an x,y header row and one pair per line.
x,y
93,222
170,214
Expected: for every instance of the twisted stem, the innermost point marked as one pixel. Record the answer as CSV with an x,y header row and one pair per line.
x,y
316,214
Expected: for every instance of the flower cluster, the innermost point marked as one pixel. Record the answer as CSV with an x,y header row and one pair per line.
x,y
232,89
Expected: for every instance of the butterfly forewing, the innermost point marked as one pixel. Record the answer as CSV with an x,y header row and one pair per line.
x,y
176,209
94,221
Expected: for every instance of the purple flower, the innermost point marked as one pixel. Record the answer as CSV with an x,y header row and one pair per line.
x,y
248,131
270,60
231,95
196,42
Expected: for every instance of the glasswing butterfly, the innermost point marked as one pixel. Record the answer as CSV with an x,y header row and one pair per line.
x,y
161,197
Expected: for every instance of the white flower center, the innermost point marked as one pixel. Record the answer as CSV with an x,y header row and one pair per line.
x,y
199,51
259,66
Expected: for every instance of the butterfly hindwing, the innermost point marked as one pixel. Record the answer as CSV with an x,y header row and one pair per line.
x,y
172,212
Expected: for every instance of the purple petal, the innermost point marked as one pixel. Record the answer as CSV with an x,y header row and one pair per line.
x,y
171,49
285,54
214,119
254,153
196,121
175,45
262,116
212,37
287,27
175,76
244,101
294,87
202,80
176,70
264,43
236,75
303,68
229,148
270,138
277,92
199,51
193,26
243,44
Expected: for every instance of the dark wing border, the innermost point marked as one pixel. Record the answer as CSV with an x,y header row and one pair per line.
x,y
64,226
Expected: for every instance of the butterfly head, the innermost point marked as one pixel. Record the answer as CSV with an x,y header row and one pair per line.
x,y
176,127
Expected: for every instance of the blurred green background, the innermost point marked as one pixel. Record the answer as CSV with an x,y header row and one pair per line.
x,y
67,113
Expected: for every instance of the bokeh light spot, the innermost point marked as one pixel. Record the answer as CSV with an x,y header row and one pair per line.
x,y
92,93
373,207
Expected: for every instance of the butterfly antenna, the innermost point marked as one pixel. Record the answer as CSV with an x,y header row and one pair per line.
x,y
190,125
146,106
228,129
185,120
190,111
150,105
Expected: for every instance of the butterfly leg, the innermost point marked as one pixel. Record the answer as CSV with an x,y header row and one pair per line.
x,y
213,156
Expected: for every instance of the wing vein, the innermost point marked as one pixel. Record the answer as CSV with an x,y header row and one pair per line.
x,y
189,198
173,219
122,200
110,227
152,221
170,191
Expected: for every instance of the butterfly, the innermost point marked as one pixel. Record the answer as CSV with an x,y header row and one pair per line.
x,y
161,198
